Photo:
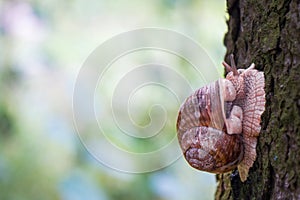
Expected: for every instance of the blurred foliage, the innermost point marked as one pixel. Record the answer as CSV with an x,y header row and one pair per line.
x,y
42,46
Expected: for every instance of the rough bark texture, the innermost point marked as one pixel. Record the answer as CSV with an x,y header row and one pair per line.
x,y
268,34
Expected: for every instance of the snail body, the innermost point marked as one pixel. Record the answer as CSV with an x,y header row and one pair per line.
x,y
218,124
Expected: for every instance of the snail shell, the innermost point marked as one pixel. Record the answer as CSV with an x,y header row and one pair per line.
x,y
218,124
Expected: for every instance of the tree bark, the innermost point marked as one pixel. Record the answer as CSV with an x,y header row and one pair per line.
x,y
268,34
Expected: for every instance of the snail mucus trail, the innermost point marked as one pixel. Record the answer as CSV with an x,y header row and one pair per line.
x,y
218,125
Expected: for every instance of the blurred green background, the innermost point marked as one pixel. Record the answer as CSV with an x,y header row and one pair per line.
x,y
42,47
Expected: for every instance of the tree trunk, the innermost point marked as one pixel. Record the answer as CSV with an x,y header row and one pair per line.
x,y
268,34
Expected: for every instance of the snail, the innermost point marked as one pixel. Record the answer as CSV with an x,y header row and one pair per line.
x,y
218,125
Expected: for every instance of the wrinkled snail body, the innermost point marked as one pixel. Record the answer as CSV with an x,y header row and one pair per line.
x,y
218,124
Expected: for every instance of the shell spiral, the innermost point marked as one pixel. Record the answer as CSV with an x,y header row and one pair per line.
x,y
201,128
218,124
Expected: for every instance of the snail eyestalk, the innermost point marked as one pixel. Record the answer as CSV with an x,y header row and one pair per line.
x,y
233,65
231,68
227,67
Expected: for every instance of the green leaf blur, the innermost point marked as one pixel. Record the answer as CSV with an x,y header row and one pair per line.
x,y
42,47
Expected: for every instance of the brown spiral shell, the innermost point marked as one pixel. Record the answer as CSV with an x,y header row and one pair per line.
x,y
218,124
